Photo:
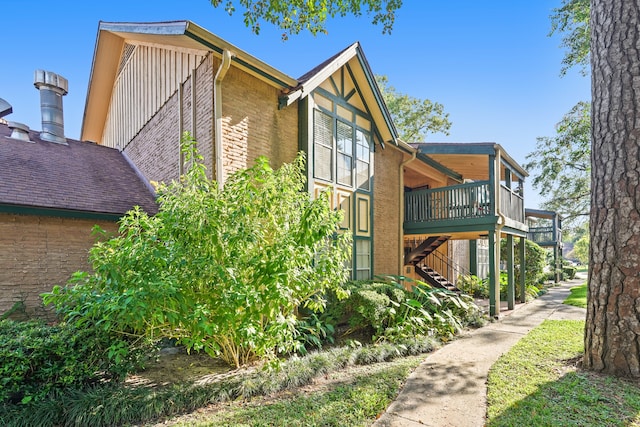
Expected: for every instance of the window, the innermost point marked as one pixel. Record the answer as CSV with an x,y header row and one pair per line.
x,y
363,148
323,146
363,259
345,154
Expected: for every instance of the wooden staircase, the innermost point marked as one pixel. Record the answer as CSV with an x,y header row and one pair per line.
x,y
430,276
435,279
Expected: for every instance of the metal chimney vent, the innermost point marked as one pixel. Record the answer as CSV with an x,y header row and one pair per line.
x,y
52,88
5,108
19,131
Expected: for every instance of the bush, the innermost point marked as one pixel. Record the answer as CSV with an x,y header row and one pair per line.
x,y
36,359
568,272
387,311
219,269
473,285
535,261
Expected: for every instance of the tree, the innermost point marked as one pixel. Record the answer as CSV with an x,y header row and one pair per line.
x,y
581,249
296,15
414,118
572,19
223,270
561,166
612,336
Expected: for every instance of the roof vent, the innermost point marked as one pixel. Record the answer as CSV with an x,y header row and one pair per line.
x,y
52,88
19,131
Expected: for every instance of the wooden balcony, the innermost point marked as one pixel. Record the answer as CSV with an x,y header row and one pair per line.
x,y
460,208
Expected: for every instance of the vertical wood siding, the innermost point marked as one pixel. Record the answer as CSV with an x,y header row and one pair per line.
x,y
148,77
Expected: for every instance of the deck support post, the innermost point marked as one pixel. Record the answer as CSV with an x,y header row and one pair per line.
x,y
473,257
523,270
511,288
494,274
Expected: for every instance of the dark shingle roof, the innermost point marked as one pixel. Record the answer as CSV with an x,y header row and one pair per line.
x,y
80,176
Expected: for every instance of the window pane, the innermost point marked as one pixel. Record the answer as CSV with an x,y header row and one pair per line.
x,y
363,175
345,138
362,146
363,259
344,170
323,146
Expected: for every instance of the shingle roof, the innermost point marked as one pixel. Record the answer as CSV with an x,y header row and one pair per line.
x,y
80,176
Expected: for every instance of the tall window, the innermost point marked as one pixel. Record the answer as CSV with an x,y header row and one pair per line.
x,y
345,154
323,145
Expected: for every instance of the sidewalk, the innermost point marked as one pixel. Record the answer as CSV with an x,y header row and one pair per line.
x,y
449,388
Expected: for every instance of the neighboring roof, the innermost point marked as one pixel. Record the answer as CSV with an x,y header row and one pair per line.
x,y
178,34
436,150
79,179
364,79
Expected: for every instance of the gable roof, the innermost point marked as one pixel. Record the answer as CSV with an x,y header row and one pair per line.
x,y
365,80
79,179
182,35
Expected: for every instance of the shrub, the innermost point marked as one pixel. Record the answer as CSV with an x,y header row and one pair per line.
x,y
219,269
389,312
568,272
535,261
36,359
473,285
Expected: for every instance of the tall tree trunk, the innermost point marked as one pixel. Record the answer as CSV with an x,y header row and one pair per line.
x,y
612,336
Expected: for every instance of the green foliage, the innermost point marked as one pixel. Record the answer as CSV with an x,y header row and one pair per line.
x,y
295,16
578,296
535,261
568,272
312,331
114,404
561,166
536,383
390,312
581,249
414,118
473,285
572,20
37,359
223,270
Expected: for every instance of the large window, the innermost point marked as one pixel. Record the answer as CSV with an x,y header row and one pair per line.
x,y
335,142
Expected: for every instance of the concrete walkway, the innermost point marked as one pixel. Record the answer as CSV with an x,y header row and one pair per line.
x,y
450,387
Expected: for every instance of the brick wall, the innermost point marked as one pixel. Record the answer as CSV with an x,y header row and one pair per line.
x,y
386,214
40,252
252,124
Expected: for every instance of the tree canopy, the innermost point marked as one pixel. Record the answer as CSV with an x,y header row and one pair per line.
x,y
414,118
572,20
561,165
293,16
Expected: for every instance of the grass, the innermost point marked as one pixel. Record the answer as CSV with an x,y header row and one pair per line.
x,y
354,402
578,297
538,383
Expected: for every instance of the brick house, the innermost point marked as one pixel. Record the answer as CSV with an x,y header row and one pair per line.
x,y
406,204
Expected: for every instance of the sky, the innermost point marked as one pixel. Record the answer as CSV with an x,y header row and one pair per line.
x,y
490,63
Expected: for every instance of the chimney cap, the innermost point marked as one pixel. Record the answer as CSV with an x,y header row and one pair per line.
x,y
51,79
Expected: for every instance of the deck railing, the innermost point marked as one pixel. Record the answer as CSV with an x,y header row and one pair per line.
x,y
454,202
543,235
511,204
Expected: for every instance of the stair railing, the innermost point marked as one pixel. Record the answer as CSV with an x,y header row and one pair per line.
x,y
445,266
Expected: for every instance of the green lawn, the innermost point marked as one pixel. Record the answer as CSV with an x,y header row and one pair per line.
x,y
537,383
578,296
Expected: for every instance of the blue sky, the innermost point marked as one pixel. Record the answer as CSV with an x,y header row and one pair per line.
x,y
489,62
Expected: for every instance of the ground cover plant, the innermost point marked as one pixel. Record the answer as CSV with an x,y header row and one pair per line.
x,y
223,270
538,382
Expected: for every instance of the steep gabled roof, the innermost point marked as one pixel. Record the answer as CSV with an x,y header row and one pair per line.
x,y
79,179
182,35
365,80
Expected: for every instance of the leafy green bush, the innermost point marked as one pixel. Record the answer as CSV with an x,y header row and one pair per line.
x,y
473,285
568,272
36,359
535,261
387,311
219,269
